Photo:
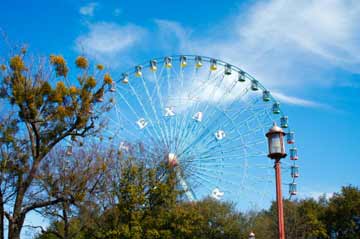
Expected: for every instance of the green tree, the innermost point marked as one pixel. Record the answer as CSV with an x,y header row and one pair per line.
x,y
264,224
303,220
343,212
219,220
311,212
44,111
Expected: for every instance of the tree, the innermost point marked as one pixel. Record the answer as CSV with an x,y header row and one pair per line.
x,y
44,111
219,220
303,220
7,167
310,221
79,176
143,196
343,213
264,224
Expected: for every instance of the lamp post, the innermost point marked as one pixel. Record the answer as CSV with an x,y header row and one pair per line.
x,y
277,152
252,235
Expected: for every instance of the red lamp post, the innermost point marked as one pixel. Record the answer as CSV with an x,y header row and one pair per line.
x,y
277,152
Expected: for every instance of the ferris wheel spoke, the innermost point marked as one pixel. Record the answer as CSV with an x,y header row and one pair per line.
x,y
243,136
180,122
215,87
199,178
212,176
233,146
230,174
158,79
235,165
206,130
263,166
210,145
240,95
161,101
168,127
250,110
211,153
171,92
145,111
250,130
200,88
258,193
261,124
177,84
135,113
123,145
184,136
187,127
122,117
155,113
230,155
200,181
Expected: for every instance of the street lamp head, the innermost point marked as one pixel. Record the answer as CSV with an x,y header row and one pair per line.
x,y
276,142
252,235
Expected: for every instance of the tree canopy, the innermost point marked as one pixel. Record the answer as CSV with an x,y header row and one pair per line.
x,y
148,206
43,105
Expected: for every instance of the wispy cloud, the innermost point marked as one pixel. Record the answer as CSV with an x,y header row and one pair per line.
x,y
173,35
295,101
285,45
106,41
88,9
326,28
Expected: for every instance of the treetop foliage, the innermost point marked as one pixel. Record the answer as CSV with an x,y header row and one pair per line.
x,y
145,205
42,105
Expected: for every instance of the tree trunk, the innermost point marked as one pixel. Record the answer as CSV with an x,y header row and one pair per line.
x,y
66,221
14,231
1,216
16,224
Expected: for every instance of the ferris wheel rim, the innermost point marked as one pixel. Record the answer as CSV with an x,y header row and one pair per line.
x,y
175,58
131,71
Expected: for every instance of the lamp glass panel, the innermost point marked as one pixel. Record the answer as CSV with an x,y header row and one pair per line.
x,y
275,144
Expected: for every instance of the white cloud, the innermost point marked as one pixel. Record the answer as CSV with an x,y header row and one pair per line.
x,y
287,45
206,88
106,41
328,29
88,10
173,35
295,101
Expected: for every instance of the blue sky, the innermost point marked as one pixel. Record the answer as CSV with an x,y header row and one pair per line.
x,y
306,52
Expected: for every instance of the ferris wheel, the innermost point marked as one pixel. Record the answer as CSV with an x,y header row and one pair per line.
x,y
208,120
